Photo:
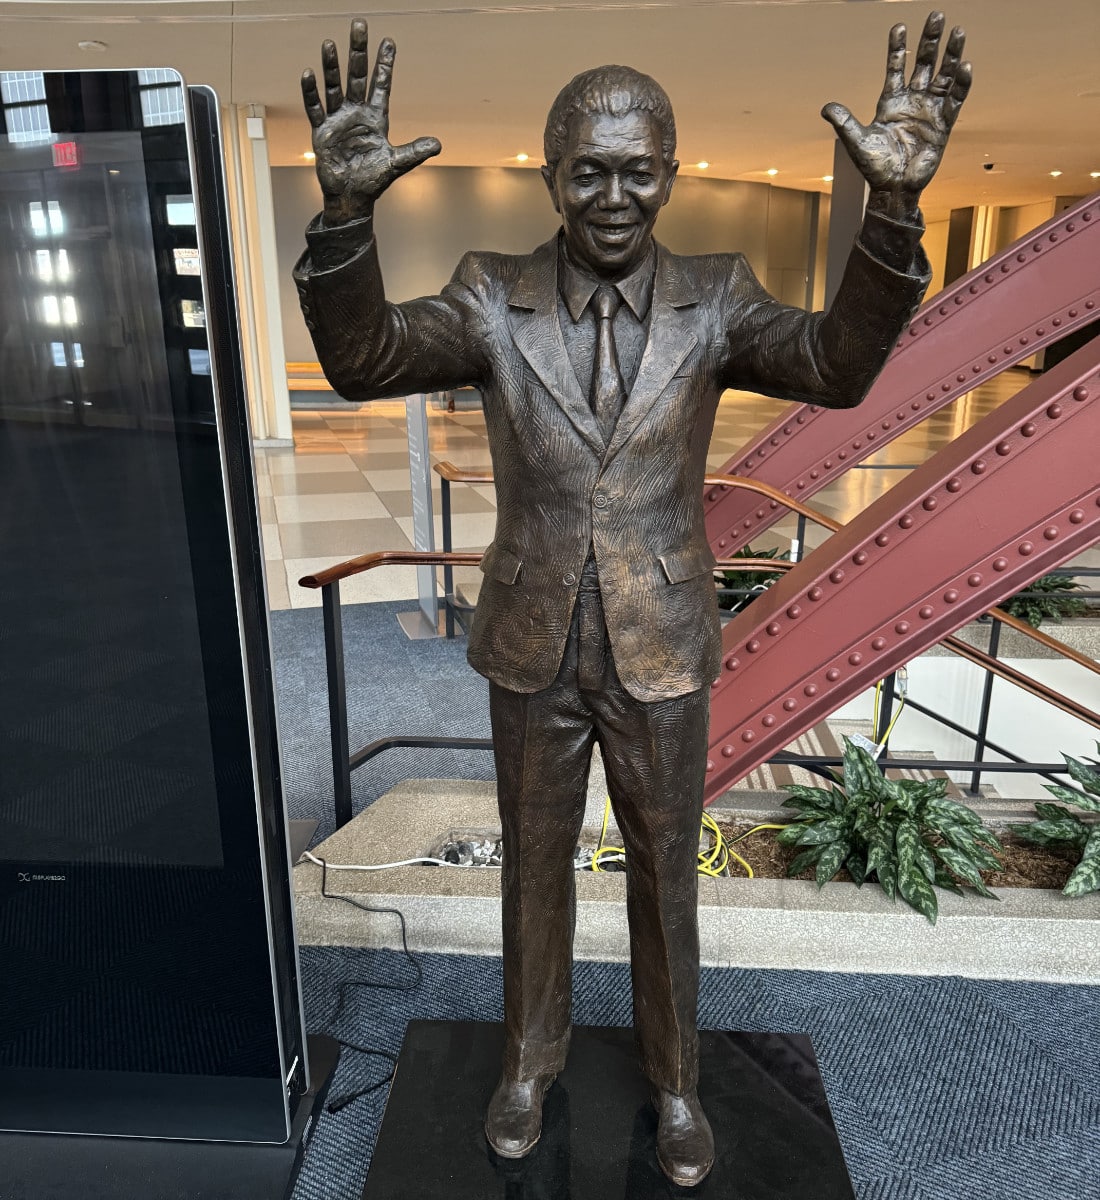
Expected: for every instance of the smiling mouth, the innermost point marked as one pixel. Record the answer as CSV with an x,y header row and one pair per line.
x,y
613,233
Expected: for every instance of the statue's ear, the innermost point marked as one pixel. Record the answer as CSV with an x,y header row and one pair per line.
x,y
673,167
548,177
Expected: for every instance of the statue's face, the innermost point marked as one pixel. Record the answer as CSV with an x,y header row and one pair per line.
x,y
609,186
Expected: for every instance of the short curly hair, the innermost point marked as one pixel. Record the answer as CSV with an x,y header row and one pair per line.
x,y
613,90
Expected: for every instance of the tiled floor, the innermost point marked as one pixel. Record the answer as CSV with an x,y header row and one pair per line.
x,y
343,490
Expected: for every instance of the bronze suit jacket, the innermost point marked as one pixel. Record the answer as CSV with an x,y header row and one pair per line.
x,y
636,502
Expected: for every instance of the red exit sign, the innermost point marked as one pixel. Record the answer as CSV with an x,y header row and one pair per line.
x,y
66,155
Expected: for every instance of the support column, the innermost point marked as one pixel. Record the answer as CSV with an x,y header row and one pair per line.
x,y
845,217
253,219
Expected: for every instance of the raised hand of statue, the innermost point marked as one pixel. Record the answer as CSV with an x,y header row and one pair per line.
x,y
355,160
899,152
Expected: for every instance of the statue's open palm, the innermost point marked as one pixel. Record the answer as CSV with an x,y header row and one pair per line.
x,y
354,158
902,147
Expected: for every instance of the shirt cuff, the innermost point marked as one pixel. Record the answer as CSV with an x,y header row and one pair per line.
x,y
332,246
894,243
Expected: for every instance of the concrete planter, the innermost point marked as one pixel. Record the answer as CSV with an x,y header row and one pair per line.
x,y
1030,934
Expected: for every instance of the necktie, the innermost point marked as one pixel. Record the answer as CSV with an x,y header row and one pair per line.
x,y
608,392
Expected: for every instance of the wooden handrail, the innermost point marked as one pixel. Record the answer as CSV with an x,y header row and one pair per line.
x,y
453,474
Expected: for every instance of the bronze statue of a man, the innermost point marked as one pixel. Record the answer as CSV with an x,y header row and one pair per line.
x,y
600,358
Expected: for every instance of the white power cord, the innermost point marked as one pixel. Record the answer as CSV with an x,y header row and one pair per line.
x,y
416,862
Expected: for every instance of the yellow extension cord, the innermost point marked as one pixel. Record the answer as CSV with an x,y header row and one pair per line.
x,y
713,861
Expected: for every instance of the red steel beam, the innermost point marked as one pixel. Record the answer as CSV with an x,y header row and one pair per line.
x,y
1035,292
1015,496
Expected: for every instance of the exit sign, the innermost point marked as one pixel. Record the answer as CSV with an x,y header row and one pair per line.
x,y
66,155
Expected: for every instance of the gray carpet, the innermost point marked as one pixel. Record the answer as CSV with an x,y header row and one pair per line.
x,y
942,1089
394,686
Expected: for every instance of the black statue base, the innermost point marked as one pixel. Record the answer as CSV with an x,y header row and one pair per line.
x,y
44,1166
762,1091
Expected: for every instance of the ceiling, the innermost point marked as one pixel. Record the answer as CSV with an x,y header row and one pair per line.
x,y
747,78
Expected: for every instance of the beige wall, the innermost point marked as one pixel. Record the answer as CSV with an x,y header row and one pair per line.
x,y
433,215
935,246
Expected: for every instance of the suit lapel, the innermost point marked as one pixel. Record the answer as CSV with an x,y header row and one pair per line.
x,y
671,339
537,334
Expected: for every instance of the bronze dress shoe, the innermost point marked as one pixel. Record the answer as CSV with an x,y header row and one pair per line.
x,y
513,1123
685,1144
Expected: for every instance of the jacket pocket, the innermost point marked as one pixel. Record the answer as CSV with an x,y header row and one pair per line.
x,y
501,564
679,565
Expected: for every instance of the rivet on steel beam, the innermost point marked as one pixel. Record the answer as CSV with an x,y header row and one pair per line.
x,y
1021,257
1051,533
906,522
1028,430
1025,548
928,503
974,580
815,593
1041,331
810,689
1024,340
1054,411
786,431
978,466
961,377
774,628
815,474
1003,448
950,596
1056,321
727,751
832,674
902,627
953,485
752,646
855,658
1005,268
958,299
732,662
945,386
1081,393
794,610
878,644
882,539
1037,247
974,289
767,721
1073,312
842,454
988,279
1076,517
748,735
926,611
859,558
1053,237
836,576
710,764
999,564
1090,304
943,310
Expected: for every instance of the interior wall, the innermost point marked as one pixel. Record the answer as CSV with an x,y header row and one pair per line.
x,y
432,216
935,246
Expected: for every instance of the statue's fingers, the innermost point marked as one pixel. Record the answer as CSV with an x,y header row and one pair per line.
x,y
848,129
330,64
412,154
312,100
927,51
382,80
959,91
945,79
895,62
358,62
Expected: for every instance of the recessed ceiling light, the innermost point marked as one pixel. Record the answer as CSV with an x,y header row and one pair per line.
x,y
703,165
771,171
826,179
522,157
98,47
309,156
1094,174
1055,174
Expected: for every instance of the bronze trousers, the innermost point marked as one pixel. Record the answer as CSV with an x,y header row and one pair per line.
x,y
655,757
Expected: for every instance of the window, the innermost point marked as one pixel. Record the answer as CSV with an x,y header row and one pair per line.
x,y
23,99
161,97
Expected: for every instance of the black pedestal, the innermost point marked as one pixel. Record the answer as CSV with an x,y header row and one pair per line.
x,y
762,1092
43,1166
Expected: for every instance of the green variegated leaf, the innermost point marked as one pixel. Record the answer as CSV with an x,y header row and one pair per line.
x,y
1053,833
917,891
880,848
960,812
823,831
964,869
946,880
979,855
887,873
1086,875
1055,812
857,867
1088,777
789,835
925,861
806,859
907,839
1071,796
831,860
861,773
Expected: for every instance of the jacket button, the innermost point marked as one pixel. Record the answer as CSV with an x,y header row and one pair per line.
x,y
599,500
569,580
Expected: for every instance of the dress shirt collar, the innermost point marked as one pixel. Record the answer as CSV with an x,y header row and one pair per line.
x,y
577,286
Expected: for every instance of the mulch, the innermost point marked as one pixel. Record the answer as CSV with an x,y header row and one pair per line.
x,y
1025,865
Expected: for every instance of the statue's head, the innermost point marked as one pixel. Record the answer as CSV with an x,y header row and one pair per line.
x,y
610,146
